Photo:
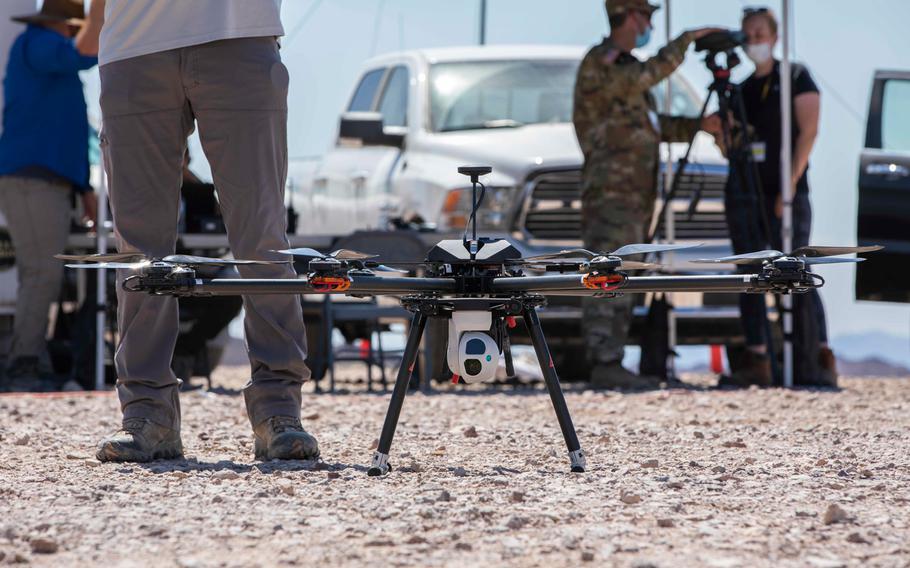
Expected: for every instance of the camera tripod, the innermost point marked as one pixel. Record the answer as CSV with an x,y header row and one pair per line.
x,y
741,159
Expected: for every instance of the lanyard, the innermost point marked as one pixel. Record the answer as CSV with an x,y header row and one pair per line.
x,y
766,88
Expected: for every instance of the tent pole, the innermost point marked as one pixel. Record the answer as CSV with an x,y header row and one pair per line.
x,y
669,219
101,292
786,184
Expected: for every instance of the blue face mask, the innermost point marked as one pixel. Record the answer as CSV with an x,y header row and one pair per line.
x,y
642,39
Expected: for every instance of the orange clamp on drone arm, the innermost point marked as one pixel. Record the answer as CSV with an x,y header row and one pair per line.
x,y
603,282
330,283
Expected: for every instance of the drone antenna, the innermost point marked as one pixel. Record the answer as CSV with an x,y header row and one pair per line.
x,y
474,172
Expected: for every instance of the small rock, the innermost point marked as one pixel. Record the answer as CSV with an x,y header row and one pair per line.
x,y
225,474
735,444
650,464
470,432
835,514
332,475
288,490
866,474
92,462
375,444
822,462
463,546
516,523
675,485
439,451
179,474
217,499
444,496
698,435
857,538
416,539
629,498
517,497
22,440
694,464
459,472
43,545
665,523
719,469
750,461
313,416
587,556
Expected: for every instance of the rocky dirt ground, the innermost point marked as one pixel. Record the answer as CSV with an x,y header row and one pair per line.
x,y
676,478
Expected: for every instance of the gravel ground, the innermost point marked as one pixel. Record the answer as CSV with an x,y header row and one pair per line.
x,y
676,478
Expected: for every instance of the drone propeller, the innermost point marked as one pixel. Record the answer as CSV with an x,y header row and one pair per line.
x,y
341,254
627,250
111,265
815,252
809,255
135,261
106,257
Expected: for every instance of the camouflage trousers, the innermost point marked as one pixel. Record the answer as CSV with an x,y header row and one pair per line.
x,y
609,221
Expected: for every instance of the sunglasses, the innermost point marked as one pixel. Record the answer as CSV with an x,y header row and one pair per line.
x,y
753,11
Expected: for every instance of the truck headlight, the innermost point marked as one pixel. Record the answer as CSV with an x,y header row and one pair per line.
x,y
494,213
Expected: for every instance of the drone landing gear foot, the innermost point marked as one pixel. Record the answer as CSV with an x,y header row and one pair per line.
x,y
380,465
578,461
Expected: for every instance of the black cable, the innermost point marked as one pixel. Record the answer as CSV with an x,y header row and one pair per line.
x,y
474,207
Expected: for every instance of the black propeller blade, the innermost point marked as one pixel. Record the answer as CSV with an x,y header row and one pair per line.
x,y
810,255
815,252
106,257
627,250
341,254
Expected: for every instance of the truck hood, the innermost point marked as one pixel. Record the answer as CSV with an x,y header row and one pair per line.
x,y
513,152
516,152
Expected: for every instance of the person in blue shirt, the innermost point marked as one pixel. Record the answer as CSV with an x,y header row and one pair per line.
x,y
43,159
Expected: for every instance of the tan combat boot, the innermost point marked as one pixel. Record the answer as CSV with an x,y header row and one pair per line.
x,y
140,440
827,364
755,369
283,438
615,376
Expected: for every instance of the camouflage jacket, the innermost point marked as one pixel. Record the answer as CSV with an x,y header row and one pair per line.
x,y
614,109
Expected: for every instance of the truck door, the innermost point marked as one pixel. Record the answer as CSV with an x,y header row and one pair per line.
x,y
884,191
334,192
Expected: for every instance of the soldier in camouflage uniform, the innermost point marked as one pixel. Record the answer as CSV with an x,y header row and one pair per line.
x,y
619,131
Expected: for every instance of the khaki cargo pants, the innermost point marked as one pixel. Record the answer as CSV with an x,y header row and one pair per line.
x,y
236,90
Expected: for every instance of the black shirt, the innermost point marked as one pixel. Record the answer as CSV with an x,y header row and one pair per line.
x,y
761,97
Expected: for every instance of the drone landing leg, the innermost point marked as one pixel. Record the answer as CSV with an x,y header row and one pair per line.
x,y
576,455
380,464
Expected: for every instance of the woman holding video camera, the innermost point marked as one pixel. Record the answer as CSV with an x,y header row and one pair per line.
x,y
753,225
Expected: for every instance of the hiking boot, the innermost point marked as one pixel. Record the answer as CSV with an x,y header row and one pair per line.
x,y
24,374
283,438
615,376
827,366
140,440
755,369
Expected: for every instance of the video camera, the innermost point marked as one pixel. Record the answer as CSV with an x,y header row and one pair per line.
x,y
721,41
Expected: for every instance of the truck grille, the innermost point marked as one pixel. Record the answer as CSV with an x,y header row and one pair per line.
x,y
553,209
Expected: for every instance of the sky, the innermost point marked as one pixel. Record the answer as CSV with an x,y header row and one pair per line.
x,y
841,41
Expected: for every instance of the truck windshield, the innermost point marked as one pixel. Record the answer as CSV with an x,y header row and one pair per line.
x,y
476,95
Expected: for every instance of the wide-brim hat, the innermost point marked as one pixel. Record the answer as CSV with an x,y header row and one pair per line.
x,y
70,12
617,7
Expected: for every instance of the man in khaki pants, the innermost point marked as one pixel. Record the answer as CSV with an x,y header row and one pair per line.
x,y
165,64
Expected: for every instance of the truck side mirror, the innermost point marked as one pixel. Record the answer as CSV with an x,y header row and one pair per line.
x,y
367,128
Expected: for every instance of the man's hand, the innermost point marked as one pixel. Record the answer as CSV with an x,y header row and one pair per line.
x,y
702,32
90,207
712,125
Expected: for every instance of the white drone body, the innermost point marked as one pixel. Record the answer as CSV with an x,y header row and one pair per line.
x,y
472,353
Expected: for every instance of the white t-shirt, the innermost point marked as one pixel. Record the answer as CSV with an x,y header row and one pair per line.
x,y
139,27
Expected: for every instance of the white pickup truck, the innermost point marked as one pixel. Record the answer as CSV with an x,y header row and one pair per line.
x,y
415,116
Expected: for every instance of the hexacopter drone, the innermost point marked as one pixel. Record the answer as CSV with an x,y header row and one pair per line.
x,y
480,286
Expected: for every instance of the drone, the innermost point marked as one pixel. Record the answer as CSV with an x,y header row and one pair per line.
x,y
480,286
